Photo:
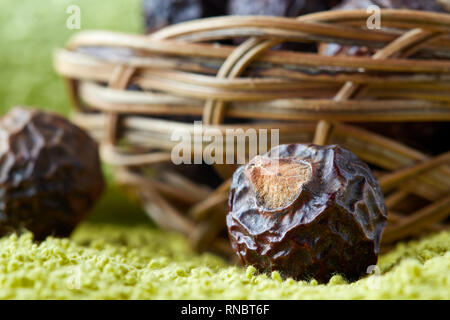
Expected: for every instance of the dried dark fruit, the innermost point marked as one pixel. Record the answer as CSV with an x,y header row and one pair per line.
x,y
307,211
160,13
426,5
423,136
50,174
282,8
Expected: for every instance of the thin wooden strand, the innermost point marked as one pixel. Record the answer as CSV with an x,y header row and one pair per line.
x,y
137,42
390,181
82,66
415,222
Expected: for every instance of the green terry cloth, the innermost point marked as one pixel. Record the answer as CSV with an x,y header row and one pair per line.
x,y
104,261
121,260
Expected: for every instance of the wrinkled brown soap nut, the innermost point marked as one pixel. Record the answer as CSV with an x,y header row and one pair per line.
x,y
161,13
426,5
307,211
282,8
50,174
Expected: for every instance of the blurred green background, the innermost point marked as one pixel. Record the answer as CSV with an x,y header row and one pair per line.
x,y
29,32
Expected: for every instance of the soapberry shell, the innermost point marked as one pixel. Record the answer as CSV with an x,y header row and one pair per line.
x,y
307,211
50,174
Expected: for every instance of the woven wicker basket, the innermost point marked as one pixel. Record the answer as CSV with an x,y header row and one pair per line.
x,y
182,71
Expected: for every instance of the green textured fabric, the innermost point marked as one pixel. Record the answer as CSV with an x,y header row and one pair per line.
x,y
118,254
120,262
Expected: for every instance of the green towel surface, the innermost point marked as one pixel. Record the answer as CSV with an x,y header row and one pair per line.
x,y
104,261
118,253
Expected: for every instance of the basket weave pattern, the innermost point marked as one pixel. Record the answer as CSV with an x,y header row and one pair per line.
x,y
306,96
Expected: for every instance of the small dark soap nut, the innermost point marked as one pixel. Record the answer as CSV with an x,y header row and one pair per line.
x,y
307,211
333,49
161,13
281,8
50,174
